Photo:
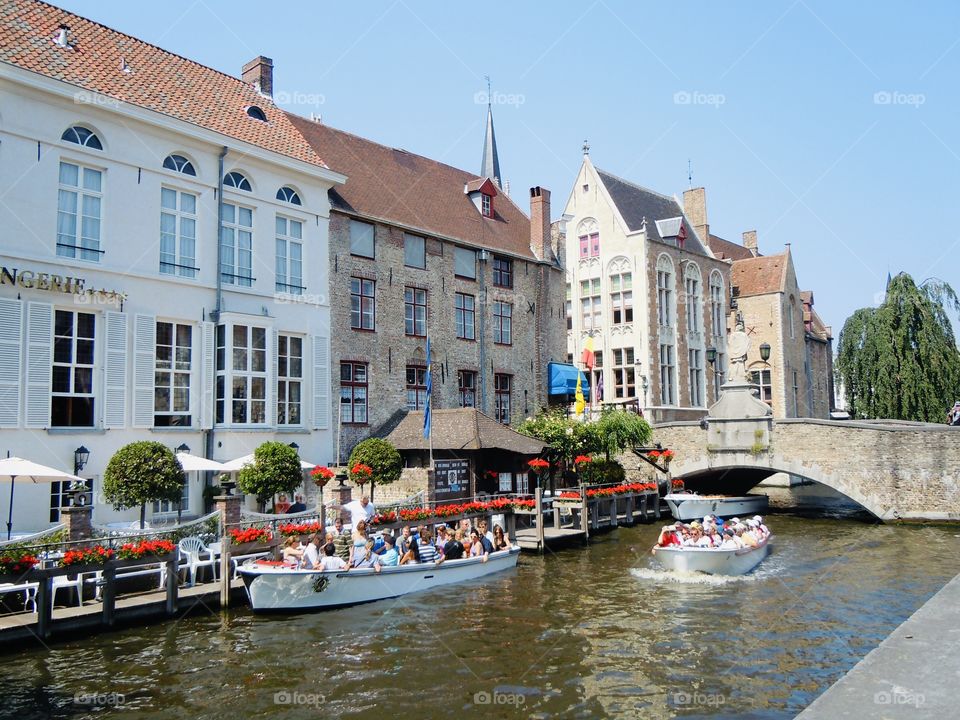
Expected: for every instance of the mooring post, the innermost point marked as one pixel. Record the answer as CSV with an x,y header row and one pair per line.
x,y
539,516
109,594
44,609
630,503
613,512
584,513
172,582
229,509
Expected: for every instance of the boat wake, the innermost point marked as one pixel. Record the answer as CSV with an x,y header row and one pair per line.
x,y
690,578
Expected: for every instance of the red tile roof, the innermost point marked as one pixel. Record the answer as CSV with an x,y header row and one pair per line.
x,y
413,191
158,80
726,250
760,275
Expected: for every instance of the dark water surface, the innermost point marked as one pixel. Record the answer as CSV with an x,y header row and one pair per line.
x,y
581,633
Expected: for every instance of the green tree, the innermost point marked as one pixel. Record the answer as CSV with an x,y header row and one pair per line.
x,y
620,430
142,472
566,436
383,459
900,360
275,469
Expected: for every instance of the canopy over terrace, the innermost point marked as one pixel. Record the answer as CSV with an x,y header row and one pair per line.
x,y
473,453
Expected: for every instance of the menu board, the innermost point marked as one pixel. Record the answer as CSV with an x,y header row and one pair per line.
x,y
451,476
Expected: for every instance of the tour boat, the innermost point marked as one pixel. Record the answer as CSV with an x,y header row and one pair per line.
x,y
713,561
690,506
272,586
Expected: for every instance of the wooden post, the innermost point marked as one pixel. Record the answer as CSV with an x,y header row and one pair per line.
x,y
229,509
595,514
584,513
631,504
539,517
511,526
656,505
556,516
613,511
172,583
44,611
109,594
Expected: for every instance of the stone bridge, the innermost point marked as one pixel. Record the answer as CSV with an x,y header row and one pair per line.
x,y
896,470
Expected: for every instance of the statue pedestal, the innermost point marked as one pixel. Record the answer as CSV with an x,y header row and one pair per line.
x,y
739,420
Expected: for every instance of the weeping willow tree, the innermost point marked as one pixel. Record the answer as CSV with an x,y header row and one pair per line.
x,y
900,360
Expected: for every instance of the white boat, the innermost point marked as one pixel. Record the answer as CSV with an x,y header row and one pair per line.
x,y
274,587
690,506
713,561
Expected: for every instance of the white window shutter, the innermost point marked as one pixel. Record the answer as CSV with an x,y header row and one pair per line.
x,y
39,363
321,382
11,353
144,362
274,375
115,371
208,378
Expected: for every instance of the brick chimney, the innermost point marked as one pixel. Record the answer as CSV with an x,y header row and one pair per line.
x,y
750,242
695,208
259,73
540,222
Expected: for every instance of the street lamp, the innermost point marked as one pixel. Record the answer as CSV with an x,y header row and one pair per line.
x,y
80,457
183,448
294,446
765,351
711,355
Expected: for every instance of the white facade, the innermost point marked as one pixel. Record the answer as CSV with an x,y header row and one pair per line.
x,y
131,307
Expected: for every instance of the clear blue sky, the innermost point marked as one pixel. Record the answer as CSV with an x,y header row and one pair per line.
x,y
831,126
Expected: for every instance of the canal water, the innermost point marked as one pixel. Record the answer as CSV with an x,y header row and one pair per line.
x,y
589,632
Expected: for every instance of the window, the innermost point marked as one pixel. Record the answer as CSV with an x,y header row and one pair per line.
x,y
486,205
353,393
416,387
79,212
256,113
691,284
288,194
237,180
465,263
590,305
665,312
82,136
72,401
245,374
236,245
464,316
172,506
590,245
720,371
503,323
621,298
501,395
716,305
414,251
415,312
467,385
59,498
668,374
171,385
502,272
792,310
796,394
597,380
178,233
761,378
289,379
361,239
289,255
624,373
362,308
568,308
695,366
180,164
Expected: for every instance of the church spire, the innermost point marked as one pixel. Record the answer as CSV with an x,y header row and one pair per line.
x,y
490,165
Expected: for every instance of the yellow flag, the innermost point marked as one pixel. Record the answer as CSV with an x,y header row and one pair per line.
x,y
579,405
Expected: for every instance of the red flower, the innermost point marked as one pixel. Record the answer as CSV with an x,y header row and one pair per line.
x,y
580,459
248,535
322,475
538,464
361,473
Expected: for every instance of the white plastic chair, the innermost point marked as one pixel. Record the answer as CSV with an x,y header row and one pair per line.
x,y
29,591
62,582
193,549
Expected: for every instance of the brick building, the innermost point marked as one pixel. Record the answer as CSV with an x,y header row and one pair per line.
x,y
421,248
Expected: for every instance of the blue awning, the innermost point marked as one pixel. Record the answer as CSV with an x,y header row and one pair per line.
x,y
562,380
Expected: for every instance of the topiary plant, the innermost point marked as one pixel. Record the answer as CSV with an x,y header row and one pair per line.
x,y
383,459
275,469
142,472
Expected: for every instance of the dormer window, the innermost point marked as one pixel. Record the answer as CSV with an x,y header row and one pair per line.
x,y
481,192
486,205
256,113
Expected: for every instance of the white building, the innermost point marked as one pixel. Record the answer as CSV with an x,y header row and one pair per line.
x,y
115,324
649,292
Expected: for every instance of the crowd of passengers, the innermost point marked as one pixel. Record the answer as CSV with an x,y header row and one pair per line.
x,y
714,532
338,549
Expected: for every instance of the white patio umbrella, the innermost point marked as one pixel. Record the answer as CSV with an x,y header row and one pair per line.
x,y
239,463
191,463
19,470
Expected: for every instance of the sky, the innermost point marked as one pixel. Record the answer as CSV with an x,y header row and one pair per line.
x,y
829,126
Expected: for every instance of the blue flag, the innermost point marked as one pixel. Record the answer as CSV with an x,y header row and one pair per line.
x,y
426,411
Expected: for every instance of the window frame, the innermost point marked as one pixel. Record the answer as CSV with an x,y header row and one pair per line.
x,y
285,379
76,250
502,397
180,164
460,314
591,304
502,272
227,374
621,298
363,304
624,373
74,366
173,371
668,375
354,386
81,141
486,205
179,267
463,389
762,377
354,251
459,251
237,181
288,242
696,376
237,279
423,250
418,386
410,311
502,323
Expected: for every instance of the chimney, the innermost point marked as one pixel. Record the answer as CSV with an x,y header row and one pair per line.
x,y
62,39
695,208
540,222
259,73
750,242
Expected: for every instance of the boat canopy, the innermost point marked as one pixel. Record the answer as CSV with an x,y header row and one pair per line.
x,y
562,379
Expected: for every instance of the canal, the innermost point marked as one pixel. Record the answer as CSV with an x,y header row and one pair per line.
x,y
589,632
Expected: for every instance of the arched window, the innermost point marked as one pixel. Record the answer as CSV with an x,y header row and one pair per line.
x,y
693,298
665,298
792,311
589,234
82,136
719,325
180,164
288,194
237,180
256,113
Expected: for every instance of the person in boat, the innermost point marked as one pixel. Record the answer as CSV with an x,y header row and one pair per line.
x,y
428,551
500,541
404,543
330,562
441,540
366,558
476,547
299,506
291,553
361,509
671,535
389,557
412,553
342,541
453,549
730,540
311,555
359,540
747,536
764,530
484,532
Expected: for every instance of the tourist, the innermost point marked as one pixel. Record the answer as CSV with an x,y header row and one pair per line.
x,y
330,561
441,538
464,527
338,526
730,540
500,541
476,547
389,557
341,541
953,414
311,556
365,558
359,539
299,506
412,553
361,509
484,533
453,549
404,544
746,534
291,553
764,530
671,535
428,551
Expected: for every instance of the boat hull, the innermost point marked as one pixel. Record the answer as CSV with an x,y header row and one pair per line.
x,y
278,589
712,561
694,507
